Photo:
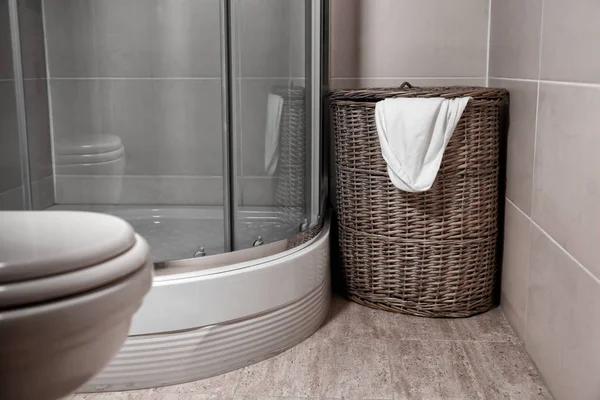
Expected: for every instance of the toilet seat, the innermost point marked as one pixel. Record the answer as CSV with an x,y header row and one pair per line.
x,y
40,244
70,283
88,144
60,345
52,288
92,158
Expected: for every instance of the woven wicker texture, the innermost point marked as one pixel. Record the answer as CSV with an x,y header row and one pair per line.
x,y
290,192
431,253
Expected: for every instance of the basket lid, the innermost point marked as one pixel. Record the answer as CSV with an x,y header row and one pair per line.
x,y
372,95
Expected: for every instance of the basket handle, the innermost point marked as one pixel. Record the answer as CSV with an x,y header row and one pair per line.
x,y
406,85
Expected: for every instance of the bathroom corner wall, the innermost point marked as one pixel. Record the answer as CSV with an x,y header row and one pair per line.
x,y
378,43
544,52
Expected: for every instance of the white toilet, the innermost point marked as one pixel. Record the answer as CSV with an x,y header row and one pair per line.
x,y
70,282
89,168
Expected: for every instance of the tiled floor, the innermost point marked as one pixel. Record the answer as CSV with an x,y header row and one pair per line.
x,y
362,353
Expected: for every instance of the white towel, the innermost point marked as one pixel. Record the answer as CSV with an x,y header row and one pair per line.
x,y
274,111
413,134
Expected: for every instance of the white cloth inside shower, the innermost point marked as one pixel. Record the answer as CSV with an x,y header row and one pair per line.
x,y
414,133
272,132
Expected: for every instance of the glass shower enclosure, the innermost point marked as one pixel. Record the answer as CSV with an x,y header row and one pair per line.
x,y
197,121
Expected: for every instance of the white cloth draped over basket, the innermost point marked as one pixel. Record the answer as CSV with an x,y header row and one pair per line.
x,y
414,133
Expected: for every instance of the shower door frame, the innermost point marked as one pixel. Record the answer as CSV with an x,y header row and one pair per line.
x,y
314,75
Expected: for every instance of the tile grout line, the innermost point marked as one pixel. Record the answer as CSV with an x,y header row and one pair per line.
x,y
597,280
549,82
404,77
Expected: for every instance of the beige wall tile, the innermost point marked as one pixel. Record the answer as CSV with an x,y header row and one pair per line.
x,y
570,41
427,38
566,201
521,140
345,38
359,83
515,269
563,321
515,38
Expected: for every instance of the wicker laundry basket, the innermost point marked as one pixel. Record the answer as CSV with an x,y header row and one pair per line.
x,y
427,254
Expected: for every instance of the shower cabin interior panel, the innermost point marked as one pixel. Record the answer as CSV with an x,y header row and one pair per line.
x,y
131,69
147,78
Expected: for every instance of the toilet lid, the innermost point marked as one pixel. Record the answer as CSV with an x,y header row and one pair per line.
x,y
36,244
88,144
34,291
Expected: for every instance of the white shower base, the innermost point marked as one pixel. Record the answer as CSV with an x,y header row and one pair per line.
x,y
178,232
197,324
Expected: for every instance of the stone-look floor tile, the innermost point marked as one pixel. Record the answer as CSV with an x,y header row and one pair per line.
x,y
218,387
487,327
505,371
278,398
323,368
162,396
180,396
132,395
408,327
491,326
347,319
431,370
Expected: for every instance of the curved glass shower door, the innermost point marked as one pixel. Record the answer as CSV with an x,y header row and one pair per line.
x,y
273,109
197,121
135,90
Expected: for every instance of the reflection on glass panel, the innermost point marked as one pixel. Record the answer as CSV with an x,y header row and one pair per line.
x,y
11,185
269,119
